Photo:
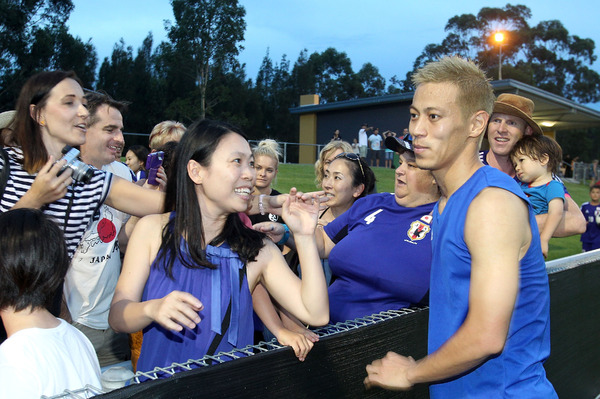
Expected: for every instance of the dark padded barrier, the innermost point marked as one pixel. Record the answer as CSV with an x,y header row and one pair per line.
x,y
336,365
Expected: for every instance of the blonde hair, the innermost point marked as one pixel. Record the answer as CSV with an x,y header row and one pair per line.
x,y
164,132
475,93
330,147
269,148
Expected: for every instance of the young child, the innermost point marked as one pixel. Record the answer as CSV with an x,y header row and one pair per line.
x,y
590,240
535,159
42,355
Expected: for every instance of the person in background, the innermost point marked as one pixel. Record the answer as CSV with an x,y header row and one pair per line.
x,y
185,266
266,163
389,154
594,173
336,135
43,355
375,141
328,152
536,159
164,132
355,147
489,302
512,119
590,240
92,277
363,140
135,158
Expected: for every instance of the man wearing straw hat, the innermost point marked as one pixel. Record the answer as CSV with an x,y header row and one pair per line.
x,y
512,119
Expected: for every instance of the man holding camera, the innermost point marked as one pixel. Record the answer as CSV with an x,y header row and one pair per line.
x,y
96,265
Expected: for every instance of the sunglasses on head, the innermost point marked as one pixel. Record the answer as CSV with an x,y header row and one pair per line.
x,y
353,157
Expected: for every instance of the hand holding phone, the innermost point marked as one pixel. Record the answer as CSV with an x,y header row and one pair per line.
x,y
153,162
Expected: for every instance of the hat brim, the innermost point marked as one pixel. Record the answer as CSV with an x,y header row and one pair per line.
x,y
503,108
7,119
397,145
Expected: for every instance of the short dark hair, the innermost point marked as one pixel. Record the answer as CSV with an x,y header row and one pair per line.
x,y
595,186
95,99
536,146
33,259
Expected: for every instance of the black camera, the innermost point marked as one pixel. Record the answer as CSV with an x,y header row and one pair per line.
x,y
81,171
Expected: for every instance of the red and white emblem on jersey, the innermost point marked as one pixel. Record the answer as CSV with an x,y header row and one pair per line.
x,y
418,230
106,230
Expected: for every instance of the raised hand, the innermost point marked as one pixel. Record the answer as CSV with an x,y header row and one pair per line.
x,y
301,212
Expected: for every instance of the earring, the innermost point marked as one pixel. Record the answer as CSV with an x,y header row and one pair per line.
x,y
42,123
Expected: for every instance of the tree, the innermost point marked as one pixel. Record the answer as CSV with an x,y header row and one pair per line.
x,y
209,31
33,38
328,74
373,83
545,55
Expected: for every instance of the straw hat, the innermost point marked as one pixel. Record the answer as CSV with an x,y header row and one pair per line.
x,y
522,107
6,119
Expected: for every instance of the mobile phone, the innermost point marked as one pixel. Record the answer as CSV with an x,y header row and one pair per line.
x,y
153,162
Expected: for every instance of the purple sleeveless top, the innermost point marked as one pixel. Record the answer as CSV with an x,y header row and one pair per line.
x,y
215,288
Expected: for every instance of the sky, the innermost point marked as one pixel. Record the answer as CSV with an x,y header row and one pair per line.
x,y
390,34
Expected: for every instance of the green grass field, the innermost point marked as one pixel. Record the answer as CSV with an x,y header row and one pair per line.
x,y
303,178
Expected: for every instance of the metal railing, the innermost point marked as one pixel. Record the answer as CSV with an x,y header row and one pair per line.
x,y
159,372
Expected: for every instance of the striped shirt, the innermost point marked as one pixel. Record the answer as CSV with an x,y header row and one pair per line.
x,y
73,212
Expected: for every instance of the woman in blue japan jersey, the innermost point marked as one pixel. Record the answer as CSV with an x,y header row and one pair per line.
x,y
380,249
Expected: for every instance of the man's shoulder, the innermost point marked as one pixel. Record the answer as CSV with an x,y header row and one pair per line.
x,y
119,169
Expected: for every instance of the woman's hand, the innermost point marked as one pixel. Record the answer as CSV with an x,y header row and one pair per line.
x,y
161,178
47,186
176,310
274,231
301,212
298,341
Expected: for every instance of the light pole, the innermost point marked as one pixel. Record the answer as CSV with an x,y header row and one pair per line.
x,y
499,38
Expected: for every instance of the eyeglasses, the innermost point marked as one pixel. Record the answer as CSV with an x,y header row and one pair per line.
x,y
353,157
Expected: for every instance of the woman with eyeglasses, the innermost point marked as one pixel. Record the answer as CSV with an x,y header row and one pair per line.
x,y
379,250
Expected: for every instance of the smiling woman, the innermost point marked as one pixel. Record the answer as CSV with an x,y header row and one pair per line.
x,y
51,114
198,263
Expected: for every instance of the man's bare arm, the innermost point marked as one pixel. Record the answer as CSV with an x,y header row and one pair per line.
x,y
496,248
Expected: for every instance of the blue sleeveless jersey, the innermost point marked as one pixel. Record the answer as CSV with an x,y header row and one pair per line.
x,y
517,372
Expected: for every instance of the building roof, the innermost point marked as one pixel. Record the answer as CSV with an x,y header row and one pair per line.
x,y
552,112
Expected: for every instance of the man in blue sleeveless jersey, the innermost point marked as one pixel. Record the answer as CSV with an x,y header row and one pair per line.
x,y
489,327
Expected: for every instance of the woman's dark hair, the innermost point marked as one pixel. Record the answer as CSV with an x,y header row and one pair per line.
x,y
169,148
368,179
33,259
140,153
27,133
199,144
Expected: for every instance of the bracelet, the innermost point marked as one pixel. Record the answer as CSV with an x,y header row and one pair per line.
x,y
261,206
286,235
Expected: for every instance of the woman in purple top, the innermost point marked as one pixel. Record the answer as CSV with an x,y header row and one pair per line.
x,y
188,274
